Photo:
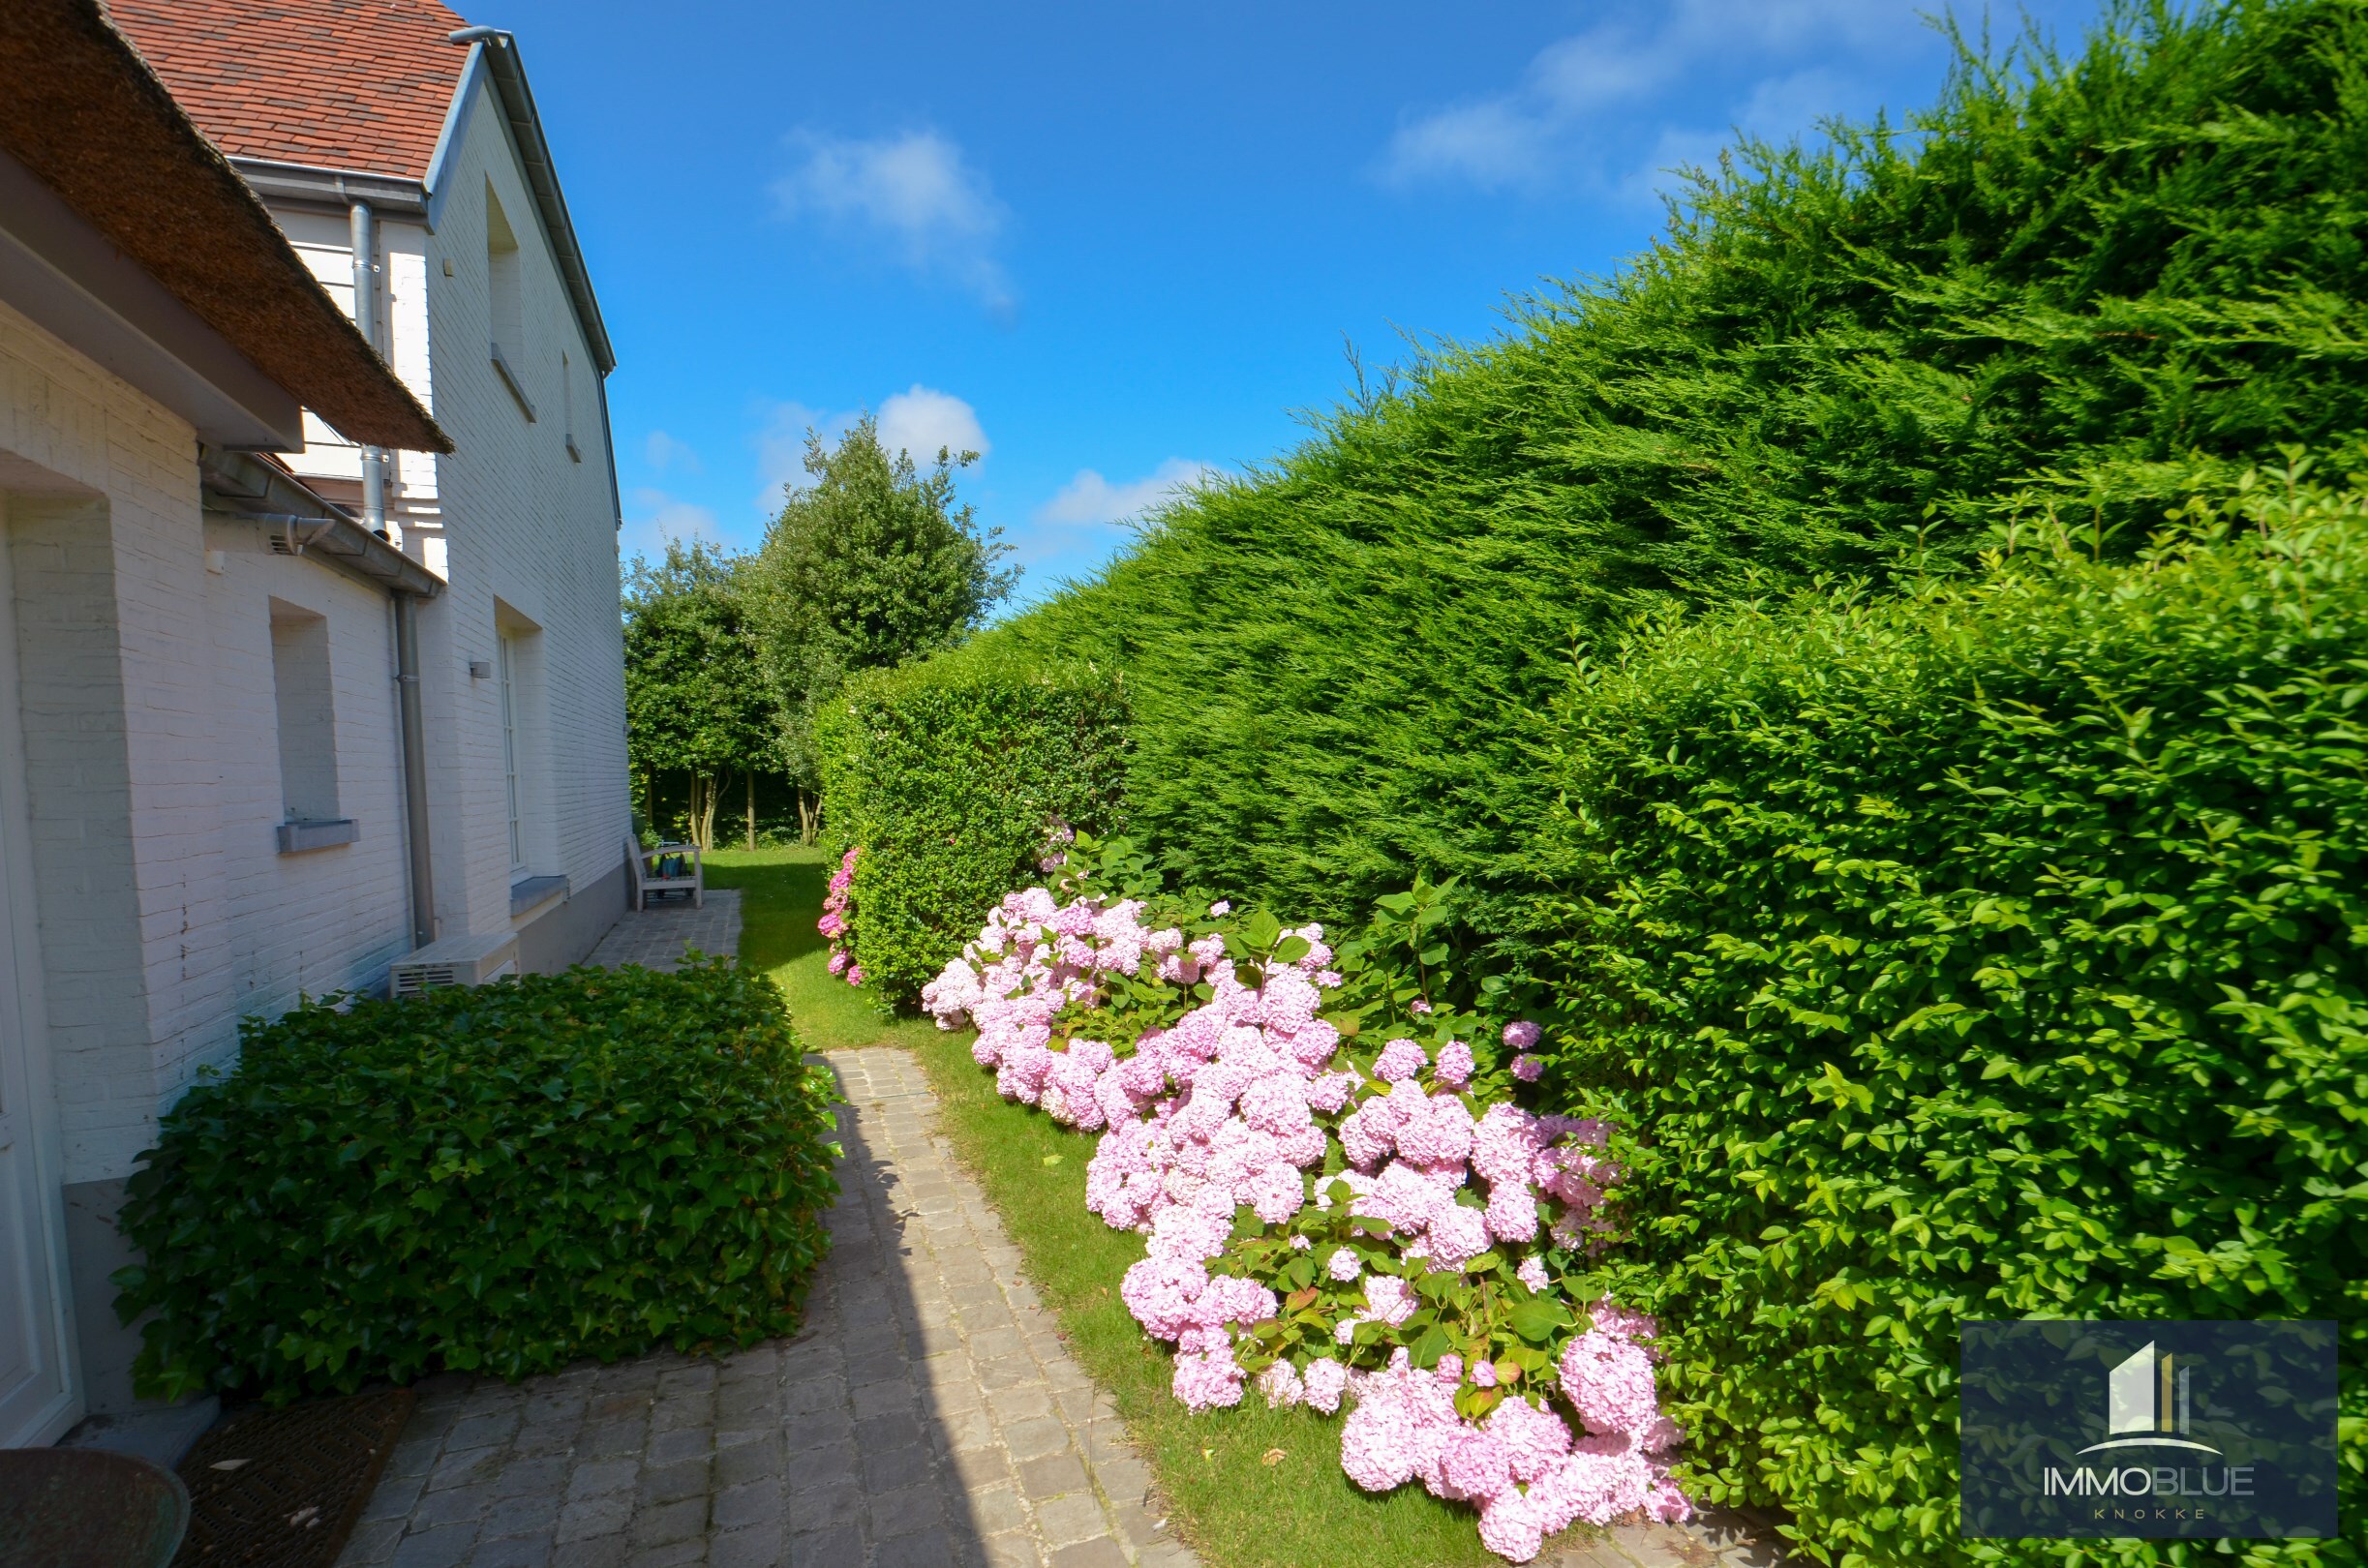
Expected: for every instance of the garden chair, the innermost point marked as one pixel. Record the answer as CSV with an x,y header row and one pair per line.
x,y
658,871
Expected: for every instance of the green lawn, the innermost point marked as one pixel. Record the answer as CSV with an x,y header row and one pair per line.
x,y
780,899
1249,1487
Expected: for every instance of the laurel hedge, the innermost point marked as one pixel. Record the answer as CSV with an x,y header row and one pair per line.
x,y
954,776
1999,951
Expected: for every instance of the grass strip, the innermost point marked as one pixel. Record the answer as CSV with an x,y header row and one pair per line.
x,y
1249,1487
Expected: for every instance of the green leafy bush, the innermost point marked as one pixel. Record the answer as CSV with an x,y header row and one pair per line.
x,y
1997,951
501,1178
953,776
2075,275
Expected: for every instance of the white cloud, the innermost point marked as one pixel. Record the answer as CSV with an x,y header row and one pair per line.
x,y
916,192
781,448
921,419
663,452
1091,499
654,517
1583,89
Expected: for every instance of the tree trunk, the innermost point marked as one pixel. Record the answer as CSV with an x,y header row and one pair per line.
x,y
809,817
752,808
710,791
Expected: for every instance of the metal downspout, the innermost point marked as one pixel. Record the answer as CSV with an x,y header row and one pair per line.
x,y
366,318
406,608
414,768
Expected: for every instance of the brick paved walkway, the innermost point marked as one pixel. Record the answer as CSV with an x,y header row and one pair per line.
x,y
928,1414
655,938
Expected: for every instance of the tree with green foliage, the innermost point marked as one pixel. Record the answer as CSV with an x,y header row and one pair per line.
x,y
869,566
697,698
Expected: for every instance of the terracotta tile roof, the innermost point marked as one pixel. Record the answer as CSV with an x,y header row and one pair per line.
x,y
361,85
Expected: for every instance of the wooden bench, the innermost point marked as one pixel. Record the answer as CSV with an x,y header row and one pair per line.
x,y
648,881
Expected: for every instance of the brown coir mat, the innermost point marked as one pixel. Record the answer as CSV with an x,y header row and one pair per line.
x,y
283,1489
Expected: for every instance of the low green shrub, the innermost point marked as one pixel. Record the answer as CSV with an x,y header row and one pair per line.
x,y
501,1178
1994,953
953,776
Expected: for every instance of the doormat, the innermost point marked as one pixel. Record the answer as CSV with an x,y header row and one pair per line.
x,y
283,1489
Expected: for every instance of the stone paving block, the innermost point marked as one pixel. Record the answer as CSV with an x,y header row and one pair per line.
x,y
763,1546
446,1547
537,1514
598,1476
1051,1476
664,1523
926,1549
1068,1520
1015,1549
588,1517
902,1512
600,1552
1099,1552
512,1552
372,1542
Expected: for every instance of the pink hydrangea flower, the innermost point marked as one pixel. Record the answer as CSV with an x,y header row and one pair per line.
x,y
1323,1382
1400,1059
1454,1065
1528,1069
1521,1035
1221,908
1344,1266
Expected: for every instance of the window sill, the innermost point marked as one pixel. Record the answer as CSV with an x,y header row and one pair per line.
x,y
574,451
298,837
509,378
531,893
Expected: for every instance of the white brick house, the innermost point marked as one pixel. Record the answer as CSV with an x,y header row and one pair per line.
x,y
209,804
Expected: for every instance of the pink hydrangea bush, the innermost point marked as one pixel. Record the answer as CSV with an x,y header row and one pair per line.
x,y
1328,1224
838,922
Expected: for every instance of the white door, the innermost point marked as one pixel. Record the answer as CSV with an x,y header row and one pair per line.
x,y
37,1402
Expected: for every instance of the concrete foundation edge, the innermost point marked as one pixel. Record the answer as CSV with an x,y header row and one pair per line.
x,y
566,932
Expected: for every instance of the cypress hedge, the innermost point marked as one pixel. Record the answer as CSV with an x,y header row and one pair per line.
x,y
954,776
2068,285
2000,950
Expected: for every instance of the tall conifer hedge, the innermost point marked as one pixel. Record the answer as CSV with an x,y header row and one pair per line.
x,y
2060,289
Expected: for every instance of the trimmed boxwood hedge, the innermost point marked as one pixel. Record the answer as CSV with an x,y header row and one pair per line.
x,y
1997,951
501,1178
950,775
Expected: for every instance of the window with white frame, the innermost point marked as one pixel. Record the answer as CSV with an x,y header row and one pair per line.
x,y
304,702
507,657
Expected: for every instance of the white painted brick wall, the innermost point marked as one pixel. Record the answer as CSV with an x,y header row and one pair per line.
x,y
509,519
164,909
527,525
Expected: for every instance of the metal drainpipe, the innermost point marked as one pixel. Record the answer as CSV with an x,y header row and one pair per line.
x,y
415,770
406,608
366,318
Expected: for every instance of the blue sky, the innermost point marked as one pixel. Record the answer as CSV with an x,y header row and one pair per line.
x,y
1110,246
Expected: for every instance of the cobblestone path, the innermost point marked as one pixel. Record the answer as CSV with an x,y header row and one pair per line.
x,y
928,1414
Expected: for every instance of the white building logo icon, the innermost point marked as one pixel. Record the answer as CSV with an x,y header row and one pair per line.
x,y
2146,1406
